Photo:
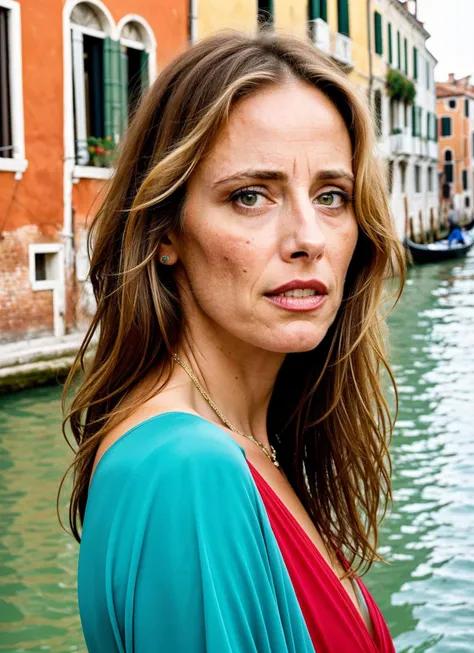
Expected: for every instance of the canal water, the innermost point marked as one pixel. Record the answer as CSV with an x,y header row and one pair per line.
x,y
426,592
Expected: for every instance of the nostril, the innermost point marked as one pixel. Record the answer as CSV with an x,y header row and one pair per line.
x,y
298,254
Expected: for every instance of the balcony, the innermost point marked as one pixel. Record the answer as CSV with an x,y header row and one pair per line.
x,y
401,144
433,150
320,35
341,48
332,43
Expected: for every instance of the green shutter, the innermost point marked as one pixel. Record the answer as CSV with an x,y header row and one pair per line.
x,y
466,107
428,125
413,120
114,110
318,9
399,52
378,33
390,51
415,63
420,121
145,79
428,74
343,17
445,126
405,48
124,88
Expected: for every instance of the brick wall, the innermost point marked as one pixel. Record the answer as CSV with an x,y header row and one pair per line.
x,y
24,313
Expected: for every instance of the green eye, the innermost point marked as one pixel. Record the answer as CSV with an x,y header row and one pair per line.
x,y
248,198
327,199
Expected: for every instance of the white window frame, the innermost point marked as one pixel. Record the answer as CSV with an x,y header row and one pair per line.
x,y
148,46
45,248
17,163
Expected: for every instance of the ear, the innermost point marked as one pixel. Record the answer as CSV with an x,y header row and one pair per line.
x,y
167,253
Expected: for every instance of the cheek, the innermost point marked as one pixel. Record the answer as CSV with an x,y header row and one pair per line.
x,y
230,258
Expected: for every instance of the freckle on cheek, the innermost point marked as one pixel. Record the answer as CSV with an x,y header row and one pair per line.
x,y
226,258
244,270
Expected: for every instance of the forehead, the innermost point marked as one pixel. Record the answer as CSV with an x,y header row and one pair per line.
x,y
284,125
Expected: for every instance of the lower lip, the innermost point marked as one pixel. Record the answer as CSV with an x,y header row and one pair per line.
x,y
298,304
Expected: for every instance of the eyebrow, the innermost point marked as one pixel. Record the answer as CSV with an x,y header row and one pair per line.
x,y
278,175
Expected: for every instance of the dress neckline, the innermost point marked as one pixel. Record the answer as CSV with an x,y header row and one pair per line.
x,y
322,559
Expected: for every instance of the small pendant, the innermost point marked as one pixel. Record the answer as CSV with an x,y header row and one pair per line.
x,y
276,463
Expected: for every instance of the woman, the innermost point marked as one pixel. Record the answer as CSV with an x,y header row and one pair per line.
x,y
232,432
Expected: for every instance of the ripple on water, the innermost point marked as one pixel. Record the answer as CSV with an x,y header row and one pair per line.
x,y
427,594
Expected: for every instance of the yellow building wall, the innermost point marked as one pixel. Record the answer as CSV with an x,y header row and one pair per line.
x,y
379,67
360,42
214,15
291,16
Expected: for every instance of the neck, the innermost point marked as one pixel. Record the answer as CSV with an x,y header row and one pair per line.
x,y
237,377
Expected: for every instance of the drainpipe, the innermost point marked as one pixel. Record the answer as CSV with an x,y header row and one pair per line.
x,y
193,18
369,26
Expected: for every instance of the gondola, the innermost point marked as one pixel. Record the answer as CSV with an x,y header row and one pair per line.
x,y
440,250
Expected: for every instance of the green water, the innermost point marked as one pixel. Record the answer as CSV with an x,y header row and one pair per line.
x,y
427,592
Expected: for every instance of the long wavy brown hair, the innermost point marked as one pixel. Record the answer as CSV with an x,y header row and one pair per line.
x,y
327,418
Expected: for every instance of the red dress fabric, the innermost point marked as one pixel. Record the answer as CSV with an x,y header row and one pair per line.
x,y
333,622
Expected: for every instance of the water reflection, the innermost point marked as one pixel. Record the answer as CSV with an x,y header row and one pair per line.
x,y
427,592
38,561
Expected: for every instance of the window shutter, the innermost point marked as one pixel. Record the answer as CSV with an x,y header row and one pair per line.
x,y
318,9
413,119
405,48
113,90
399,52
124,89
445,126
464,180
428,72
343,17
428,125
389,36
466,107
420,121
378,33
145,80
415,63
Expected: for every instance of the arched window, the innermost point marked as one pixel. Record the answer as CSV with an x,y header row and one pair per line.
x,y
95,127
135,51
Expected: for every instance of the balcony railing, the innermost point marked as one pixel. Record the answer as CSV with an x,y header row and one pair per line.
x,y
321,35
401,143
341,48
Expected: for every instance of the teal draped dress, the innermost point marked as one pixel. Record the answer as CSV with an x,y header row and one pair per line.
x,y
177,552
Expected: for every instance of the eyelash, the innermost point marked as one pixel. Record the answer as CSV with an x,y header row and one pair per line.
x,y
233,198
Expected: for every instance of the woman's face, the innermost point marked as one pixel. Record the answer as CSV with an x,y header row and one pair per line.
x,y
269,226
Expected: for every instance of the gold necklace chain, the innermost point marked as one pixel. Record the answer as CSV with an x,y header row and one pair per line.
x,y
270,453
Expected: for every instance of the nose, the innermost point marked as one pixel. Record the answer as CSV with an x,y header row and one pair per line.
x,y
303,236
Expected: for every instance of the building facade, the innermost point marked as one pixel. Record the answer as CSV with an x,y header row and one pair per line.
x,y
404,104
455,110
68,82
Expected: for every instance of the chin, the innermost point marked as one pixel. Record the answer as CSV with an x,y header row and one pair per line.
x,y
297,340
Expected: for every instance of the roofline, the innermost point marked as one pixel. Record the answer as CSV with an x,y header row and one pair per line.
x,y
414,21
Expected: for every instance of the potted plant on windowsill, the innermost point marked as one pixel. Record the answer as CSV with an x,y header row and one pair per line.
x,y
101,151
399,87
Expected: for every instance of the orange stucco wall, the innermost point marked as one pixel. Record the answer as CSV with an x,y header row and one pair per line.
x,y
32,208
455,142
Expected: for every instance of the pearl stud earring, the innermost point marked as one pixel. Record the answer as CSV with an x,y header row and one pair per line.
x,y
165,259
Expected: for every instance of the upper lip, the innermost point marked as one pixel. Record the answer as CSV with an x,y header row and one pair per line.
x,y
314,284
